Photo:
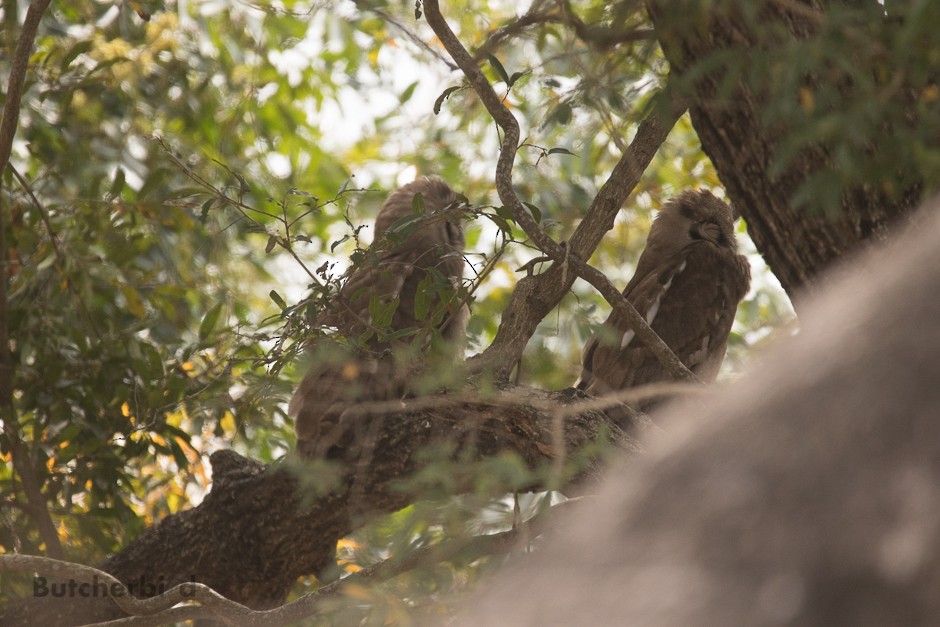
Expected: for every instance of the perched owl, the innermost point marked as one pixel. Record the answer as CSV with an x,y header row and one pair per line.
x,y
688,283
408,280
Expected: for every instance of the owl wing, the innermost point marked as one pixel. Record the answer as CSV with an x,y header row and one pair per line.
x,y
604,352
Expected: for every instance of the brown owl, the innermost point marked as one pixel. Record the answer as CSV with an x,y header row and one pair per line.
x,y
688,283
407,281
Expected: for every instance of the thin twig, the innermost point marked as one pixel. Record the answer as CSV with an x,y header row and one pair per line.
x,y
388,18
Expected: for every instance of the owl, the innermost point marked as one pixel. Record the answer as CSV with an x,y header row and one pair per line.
x,y
408,281
688,283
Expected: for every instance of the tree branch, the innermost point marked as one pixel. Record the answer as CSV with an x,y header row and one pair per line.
x,y
160,610
20,454
11,108
264,521
562,255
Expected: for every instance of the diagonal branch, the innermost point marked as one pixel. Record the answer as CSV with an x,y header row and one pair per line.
x,y
566,257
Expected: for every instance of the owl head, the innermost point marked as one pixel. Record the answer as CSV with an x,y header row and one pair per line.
x,y
435,230
695,215
692,217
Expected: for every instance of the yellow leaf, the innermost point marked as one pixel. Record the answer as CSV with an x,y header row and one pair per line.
x,y
125,409
176,418
228,422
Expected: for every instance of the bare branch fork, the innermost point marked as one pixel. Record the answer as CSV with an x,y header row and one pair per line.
x,y
563,256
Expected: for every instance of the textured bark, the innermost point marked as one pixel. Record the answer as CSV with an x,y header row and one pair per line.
x,y
796,243
256,532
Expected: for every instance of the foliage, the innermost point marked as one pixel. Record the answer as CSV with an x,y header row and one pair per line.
x,y
188,191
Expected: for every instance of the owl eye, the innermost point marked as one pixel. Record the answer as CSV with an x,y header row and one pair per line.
x,y
706,230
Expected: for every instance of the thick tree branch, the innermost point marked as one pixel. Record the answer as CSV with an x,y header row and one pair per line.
x,y
261,520
159,610
560,254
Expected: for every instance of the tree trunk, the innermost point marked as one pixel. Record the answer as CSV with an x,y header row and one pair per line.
x,y
729,116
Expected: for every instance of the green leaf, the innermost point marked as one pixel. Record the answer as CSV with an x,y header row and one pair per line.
x,y
408,93
403,227
515,77
500,222
117,184
397,335
380,312
536,212
559,115
563,151
505,213
204,211
209,321
277,300
79,48
423,295
498,67
444,96
338,242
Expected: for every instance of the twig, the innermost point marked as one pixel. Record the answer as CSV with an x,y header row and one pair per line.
x,y
515,399
562,13
388,18
504,165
